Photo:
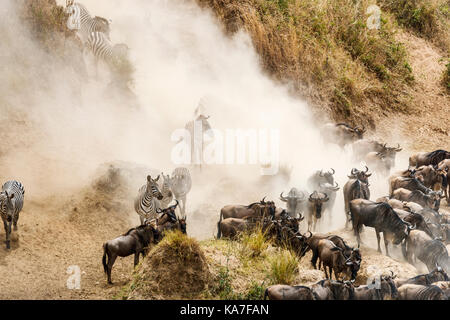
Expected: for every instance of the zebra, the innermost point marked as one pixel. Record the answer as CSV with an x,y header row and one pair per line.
x,y
11,203
181,184
102,49
197,128
166,192
144,203
81,20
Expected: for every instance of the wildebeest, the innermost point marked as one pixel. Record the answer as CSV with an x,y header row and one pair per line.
x,y
320,176
444,286
363,146
385,289
420,292
414,219
444,166
315,208
135,241
294,201
231,227
313,242
341,133
333,257
382,161
425,279
431,252
333,290
285,292
431,177
168,220
256,209
431,200
410,184
331,191
427,158
355,188
381,217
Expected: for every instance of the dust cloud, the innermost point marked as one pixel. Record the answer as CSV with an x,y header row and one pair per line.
x,y
61,125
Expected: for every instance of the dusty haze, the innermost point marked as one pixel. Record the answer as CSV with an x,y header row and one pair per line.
x,y
61,127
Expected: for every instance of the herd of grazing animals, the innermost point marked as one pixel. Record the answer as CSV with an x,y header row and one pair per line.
x,y
409,216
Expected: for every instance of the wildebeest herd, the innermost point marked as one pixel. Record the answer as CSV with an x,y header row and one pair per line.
x,y
410,217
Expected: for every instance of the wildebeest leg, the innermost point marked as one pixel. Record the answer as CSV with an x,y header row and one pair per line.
x,y
136,258
315,255
357,235
142,219
111,260
378,240
386,243
330,271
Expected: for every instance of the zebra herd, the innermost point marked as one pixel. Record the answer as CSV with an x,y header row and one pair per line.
x,y
153,197
94,33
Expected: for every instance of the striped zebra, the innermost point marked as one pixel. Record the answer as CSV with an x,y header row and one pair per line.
x,y
11,203
181,184
145,204
166,192
102,49
81,20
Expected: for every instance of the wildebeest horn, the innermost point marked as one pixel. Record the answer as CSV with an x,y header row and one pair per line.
x,y
158,210
336,185
398,149
334,171
262,201
157,178
321,173
283,198
175,205
310,235
353,171
367,169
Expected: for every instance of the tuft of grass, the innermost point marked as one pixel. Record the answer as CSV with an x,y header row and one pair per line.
x,y
183,246
283,267
254,242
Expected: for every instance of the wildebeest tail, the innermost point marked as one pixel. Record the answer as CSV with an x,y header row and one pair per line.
x,y
105,252
266,293
445,181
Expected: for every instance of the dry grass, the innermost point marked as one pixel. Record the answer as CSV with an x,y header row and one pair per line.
x,y
326,49
176,268
446,77
429,19
254,243
283,267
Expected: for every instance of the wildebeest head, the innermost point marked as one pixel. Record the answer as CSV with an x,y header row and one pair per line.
x,y
292,200
153,187
318,198
359,132
387,286
360,175
168,214
353,263
328,175
6,205
438,274
328,188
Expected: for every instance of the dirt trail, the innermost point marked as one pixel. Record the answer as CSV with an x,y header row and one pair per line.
x,y
426,126
53,235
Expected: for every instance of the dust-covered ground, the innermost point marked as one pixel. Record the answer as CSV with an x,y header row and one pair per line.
x,y
61,129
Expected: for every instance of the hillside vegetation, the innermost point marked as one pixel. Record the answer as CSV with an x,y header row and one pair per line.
x,y
331,56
